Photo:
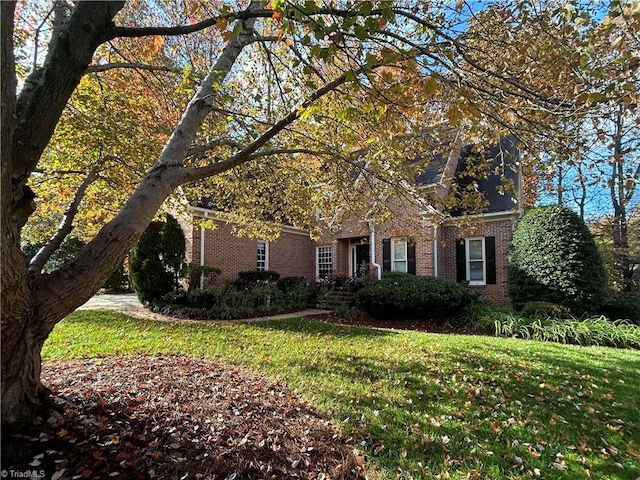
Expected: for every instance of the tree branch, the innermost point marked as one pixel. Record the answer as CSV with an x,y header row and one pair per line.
x,y
66,225
142,66
246,153
218,142
176,30
47,90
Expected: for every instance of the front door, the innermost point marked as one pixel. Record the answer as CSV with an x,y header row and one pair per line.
x,y
361,256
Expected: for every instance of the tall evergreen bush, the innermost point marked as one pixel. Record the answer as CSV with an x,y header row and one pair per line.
x,y
554,258
156,261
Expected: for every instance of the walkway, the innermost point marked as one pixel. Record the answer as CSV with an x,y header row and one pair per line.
x,y
128,303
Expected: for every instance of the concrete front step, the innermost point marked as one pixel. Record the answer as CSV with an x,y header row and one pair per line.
x,y
336,298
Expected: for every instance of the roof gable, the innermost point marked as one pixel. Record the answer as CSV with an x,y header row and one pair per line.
x,y
493,172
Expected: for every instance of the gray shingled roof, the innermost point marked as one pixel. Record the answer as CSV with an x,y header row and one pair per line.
x,y
496,174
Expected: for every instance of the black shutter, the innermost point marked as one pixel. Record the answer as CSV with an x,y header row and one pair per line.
x,y
386,255
490,254
461,260
411,258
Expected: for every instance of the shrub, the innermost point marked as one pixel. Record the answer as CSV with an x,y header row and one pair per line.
x,y
156,261
622,305
290,284
545,309
179,297
553,258
193,273
230,302
255,277
204,298
410,296
149,277
173,248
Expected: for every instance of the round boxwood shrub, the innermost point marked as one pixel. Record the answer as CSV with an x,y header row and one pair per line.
x,y
553,258
414,297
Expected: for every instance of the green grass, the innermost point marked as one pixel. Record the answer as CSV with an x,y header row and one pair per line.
x,y
420,405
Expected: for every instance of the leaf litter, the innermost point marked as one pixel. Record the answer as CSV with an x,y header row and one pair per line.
x,y
177,417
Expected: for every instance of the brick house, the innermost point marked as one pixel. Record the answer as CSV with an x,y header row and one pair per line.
x,y
417,238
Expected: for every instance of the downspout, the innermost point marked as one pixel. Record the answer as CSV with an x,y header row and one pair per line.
x,y
435,250
377,266
202,254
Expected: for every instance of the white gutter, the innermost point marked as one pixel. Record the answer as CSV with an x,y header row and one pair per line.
x,y
202,243
435,250
221,217
377,266
483,216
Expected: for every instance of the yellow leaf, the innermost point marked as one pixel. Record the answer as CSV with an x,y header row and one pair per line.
x,y
633,451
221,24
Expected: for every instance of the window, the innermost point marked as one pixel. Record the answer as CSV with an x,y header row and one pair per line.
x,y
475,261
398,255
262,260
324,261
399,261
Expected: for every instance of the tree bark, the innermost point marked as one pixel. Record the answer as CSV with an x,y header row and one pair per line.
x,y
33,303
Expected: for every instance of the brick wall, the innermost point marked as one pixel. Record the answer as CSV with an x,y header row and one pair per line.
x,y
292,254
405,223
502,230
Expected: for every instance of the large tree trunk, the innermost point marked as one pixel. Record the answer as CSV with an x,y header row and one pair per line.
x,y
32,302
21,370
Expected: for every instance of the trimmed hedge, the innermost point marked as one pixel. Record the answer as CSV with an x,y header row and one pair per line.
x,y
230,302
406,296
553,258
255,277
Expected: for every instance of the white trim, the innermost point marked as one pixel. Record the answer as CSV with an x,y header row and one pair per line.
x,y
221,217
377,266
435,250
318,247
468,261
353,246
484,217
393,254
202,245
266,254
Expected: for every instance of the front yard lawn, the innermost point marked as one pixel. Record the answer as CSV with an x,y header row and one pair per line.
x,y
418,405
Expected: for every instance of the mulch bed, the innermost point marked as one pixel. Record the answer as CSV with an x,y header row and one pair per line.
x,y
171,417
361,319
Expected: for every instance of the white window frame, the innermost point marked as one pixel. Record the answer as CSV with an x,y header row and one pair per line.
x,y
394,241
468,261
266,256
325,248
